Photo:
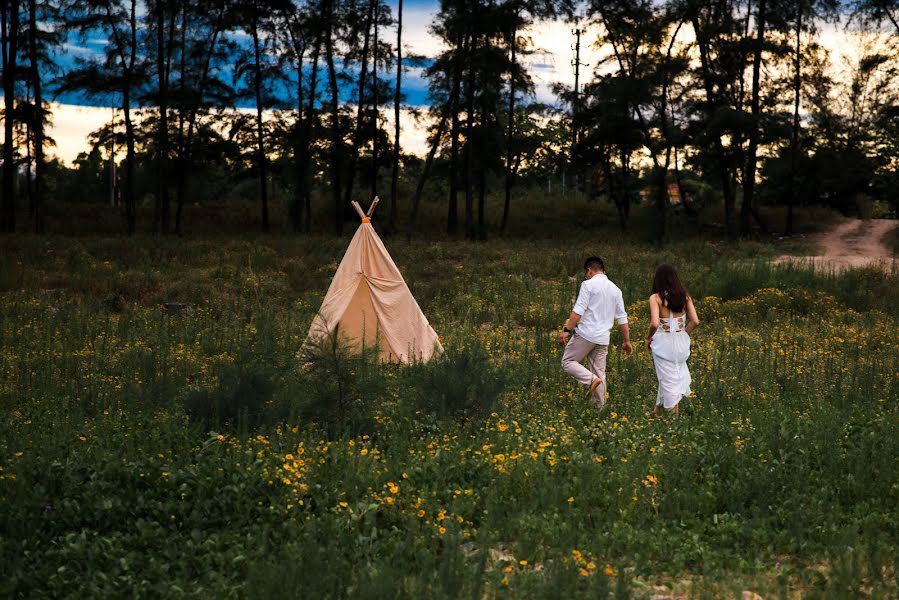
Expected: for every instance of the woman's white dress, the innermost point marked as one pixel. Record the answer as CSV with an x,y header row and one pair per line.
x,y
670,351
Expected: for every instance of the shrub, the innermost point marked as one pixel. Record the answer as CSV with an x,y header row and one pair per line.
x,y
460,384
241,399
337,386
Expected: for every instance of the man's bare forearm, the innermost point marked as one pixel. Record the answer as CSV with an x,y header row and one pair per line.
x,y
573,320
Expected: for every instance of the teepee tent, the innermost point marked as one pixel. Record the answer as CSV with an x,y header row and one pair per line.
x,y
368,302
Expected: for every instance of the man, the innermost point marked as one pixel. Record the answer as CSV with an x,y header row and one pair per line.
x,y
598,304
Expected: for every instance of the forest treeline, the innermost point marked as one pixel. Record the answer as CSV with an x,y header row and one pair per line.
x,y
732,103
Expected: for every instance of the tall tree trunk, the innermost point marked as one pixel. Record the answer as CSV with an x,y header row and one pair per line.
x,y
724,170
510,175
485,122
395,173
38,120
376,105
662,169
128,62
794,142
29,199
10,34
193,109
660,183
357,131
296,210
130,203
162,220
130,196
681,190
738,135
617,192
482,193
452,218
261,162
336,139
192,120
469,150
420,186
298,204
181,162
305,140
751,158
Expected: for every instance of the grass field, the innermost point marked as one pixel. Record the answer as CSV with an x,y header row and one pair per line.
x,y
154,453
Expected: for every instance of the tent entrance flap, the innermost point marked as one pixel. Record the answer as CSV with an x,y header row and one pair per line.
x,y
360,321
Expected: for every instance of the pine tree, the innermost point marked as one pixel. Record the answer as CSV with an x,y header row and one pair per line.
x,y
120,72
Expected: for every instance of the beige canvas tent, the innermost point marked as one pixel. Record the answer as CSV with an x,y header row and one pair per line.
x,y
368,302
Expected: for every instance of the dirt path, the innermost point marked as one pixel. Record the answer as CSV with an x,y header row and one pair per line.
x,y
854,243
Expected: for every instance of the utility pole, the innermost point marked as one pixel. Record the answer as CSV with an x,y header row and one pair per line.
x,y
575,105
576,63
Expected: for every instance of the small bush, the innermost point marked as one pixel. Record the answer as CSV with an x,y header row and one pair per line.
x,y
242,398
314,569
337,386
12,274
460,384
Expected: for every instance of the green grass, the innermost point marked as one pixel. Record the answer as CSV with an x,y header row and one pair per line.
x,y
150,454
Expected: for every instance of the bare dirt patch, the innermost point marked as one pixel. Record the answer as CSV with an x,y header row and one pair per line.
x,y
855,243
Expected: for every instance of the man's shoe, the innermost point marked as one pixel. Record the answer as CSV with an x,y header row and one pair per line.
x,y
595,384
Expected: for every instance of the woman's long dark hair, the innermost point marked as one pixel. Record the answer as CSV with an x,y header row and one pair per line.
x,y
667,285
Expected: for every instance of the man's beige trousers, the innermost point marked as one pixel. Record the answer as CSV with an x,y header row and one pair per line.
x,y
577,350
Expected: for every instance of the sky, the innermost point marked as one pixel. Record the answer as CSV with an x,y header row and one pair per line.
x,y
75,116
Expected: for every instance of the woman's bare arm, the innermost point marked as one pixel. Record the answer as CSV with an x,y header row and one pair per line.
x,y
693,322
653,319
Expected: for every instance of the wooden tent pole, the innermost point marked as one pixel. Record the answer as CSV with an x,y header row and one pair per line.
x,y
371,208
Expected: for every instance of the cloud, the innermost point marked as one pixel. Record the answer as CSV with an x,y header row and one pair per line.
x,y
71,126
80,51
416,34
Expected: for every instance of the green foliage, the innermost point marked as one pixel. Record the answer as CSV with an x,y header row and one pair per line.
x,y
859,289
312,567
461,383
11,273
240,399
336,386
317,480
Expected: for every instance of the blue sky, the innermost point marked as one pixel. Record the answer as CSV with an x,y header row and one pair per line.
x,y
416,40
76,116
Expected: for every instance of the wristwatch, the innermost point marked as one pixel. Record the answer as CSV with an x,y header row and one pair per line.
x,y
566,330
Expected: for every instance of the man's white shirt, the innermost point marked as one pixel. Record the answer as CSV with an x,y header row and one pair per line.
x,y
599,303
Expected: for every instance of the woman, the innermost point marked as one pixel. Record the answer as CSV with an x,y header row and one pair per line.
x,y
672,318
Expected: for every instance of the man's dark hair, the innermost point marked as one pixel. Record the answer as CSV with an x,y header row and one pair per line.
x,y
594,262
